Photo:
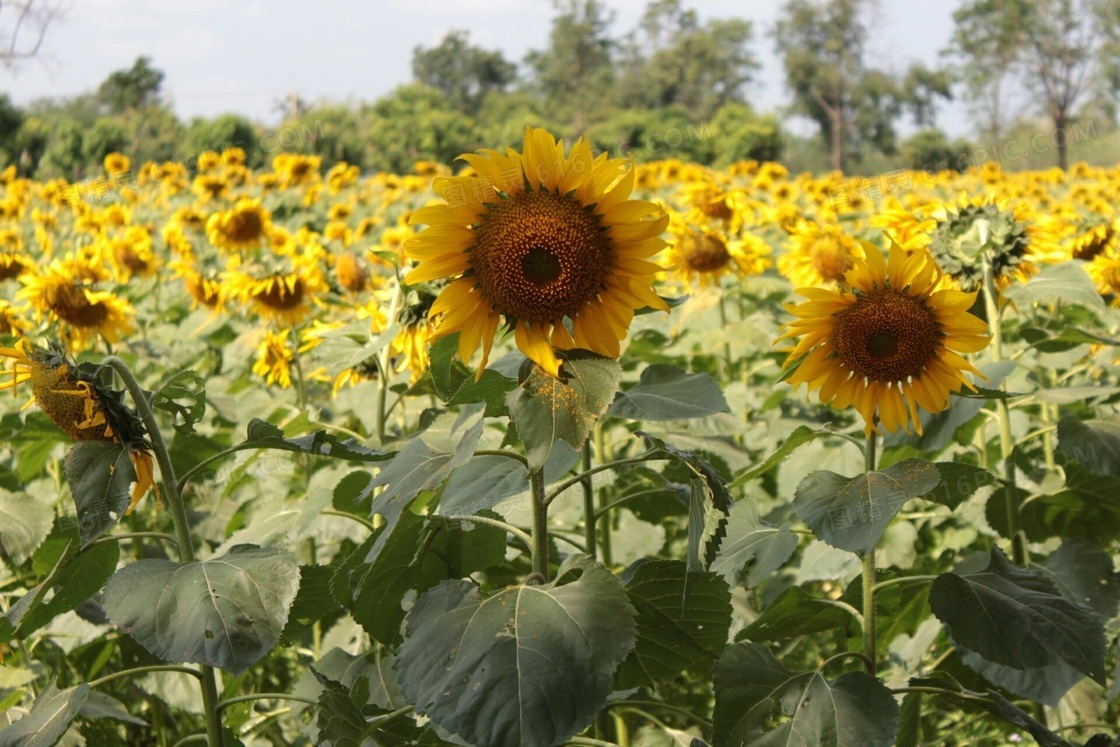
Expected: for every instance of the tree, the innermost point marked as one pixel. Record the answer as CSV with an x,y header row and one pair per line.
x,y
821,43
987,40
575,74
465,75
673,60
135,88
25,25
224,131
414,123
11,120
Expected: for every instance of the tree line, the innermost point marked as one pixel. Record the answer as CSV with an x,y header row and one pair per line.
x,y
675,85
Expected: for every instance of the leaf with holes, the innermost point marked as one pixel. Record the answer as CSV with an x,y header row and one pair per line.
x,y
528,666
227,611
184,396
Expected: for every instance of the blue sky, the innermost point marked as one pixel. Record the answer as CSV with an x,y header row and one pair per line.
x,y
229,56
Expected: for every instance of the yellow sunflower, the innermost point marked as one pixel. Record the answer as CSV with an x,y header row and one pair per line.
x,y
704,255
818,255
1104,269
80,406
82,313
11,320
541,239
885,340
244,226
274,359
286,297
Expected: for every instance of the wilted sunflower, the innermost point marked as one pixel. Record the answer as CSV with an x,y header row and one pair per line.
x,y
885,340
819,255
541,239
244,226
81,406
83,313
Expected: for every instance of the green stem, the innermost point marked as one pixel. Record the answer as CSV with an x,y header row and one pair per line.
x,y
901,580
384,364
264,696
143,670
586,742
649,456
182,527
354,517
653,704
588,503
1006,440
606,524
133,535
301,386
846,655
503,453
540,524
869,622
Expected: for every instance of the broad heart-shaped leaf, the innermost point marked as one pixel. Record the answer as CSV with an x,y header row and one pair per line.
x,y
491,389
347,717
752,690
752,550
793,613
528,666
665,392
265,435
1047,685
1067,281
800,436
184,396
50,716
958,481
24,524
547,410
852,514
1092,443
673,634
100,474
1083,574
1017,617
226,611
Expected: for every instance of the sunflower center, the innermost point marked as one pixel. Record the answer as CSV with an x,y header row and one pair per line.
x,y
279,295
70,304
717,209
244,226
10,266
540,256
706,253
887,335
830,261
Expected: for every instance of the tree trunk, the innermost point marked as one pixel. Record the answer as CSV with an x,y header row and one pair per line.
x,y
1061,128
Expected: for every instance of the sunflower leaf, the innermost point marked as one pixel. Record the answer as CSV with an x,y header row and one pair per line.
x,y
100,474
666,392
50,716
184,396
1067,281
265,435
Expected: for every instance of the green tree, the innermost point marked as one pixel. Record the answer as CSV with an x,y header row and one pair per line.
x,y
223,131
135,88
64,155
105,137
414,123
465,75
739,134
334,132
11,120
672,59
575,75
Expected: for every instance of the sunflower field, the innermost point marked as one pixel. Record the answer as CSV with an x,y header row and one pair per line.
x,y
557,449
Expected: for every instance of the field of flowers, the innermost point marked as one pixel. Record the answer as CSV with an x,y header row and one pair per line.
x,y
558,450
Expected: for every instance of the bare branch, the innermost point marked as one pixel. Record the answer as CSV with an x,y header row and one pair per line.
x,y
32,19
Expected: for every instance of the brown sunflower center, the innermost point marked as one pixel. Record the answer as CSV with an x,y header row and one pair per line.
x,y
1092,243
887,335
69,303
830,260
10,266
717,209
244,226
65,402
706,253
540,256
279,295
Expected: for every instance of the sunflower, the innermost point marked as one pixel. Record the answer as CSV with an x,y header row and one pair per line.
x,y
704,255
244,226
1104,269
818,255
1094,238
286,297
14,264
117,165
84,314
133,255
11,320
549,240
274,359
885,340
81,406
204,290
353,274
295,169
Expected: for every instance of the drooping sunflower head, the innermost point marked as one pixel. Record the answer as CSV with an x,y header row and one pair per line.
x,y
886,340
133,255
244,226
542,240
819,255
79,404
411,342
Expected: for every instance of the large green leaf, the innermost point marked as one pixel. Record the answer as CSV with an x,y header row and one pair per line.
x,y
1093,443
753,691
752,550
1067,281
958,481
528,666
100,474
547,410
800,436
673,634
491,389
264,435
1017,617
24,524
1084,574
226,611
50,716
666,392
1047,684
852,514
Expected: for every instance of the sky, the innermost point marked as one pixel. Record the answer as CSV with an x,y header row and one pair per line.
x,y
245,56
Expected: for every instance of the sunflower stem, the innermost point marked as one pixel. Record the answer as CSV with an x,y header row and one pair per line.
x,y
540,524
384,364
869,621
602,457
1006,440
182,528
588,502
